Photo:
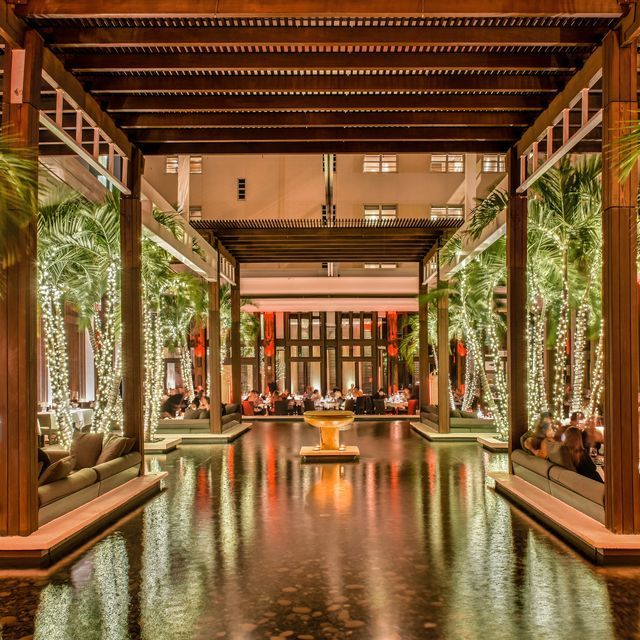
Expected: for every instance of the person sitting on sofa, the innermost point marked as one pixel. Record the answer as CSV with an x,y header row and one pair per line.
x,y
205,408
540,442
580,458
171,405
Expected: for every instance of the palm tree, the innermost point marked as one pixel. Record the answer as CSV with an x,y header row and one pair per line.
x,y
18,189
59,265
186,306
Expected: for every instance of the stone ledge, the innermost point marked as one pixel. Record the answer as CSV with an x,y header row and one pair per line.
x,y
493,444
58,538
229,435
583,533
434,436
163,444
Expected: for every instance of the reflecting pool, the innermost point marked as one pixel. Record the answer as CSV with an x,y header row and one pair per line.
x,y
247,542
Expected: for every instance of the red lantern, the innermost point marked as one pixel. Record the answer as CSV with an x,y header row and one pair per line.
x,y
269,334
392,333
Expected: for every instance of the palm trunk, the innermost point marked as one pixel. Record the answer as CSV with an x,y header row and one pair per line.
x,y
107,360
52,306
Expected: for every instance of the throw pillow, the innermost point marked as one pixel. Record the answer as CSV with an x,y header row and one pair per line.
x,y
112,449
191,414
231,408
468,414
130,444
86,448
58,470
204,414
43,461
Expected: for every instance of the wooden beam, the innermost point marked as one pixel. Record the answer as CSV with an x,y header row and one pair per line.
x,y
423,340
327,8
213,361
278,36
11,28
236,348
322,102
131,306
562,101
57,76
256,83
356,146
516,223
18,307
321,119
620,291
325,60
444,416
268,134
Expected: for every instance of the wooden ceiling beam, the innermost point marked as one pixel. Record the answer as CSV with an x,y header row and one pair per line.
x,y
11,28
320,102
309,8
57,76
251,36
265,134
329,60
327,82
352,146
321,119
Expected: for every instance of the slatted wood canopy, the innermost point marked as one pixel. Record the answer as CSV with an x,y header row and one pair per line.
x,y
287,77
394,240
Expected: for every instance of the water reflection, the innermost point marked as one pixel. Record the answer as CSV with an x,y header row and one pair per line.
x,y
410,542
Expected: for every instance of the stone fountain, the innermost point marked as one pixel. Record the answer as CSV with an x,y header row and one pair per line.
x,y
330,424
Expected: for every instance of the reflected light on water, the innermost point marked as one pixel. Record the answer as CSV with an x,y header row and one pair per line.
x,y
247,542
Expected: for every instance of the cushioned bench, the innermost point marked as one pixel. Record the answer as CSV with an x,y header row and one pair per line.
x,y
460,421
84,483
577,491
231,416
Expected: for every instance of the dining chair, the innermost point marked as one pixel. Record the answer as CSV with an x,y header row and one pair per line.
x,y
281,407
349,404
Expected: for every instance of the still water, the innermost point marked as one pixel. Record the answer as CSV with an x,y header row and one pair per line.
x,y
247,542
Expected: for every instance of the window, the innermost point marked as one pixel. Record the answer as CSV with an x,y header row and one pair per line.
x,y
242,189
493,163
447,163
380,164
195,213
442,211
171,164
380,211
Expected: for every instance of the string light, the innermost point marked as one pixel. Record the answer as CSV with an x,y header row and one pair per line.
x,y
580,340
52,309
560,356
108,404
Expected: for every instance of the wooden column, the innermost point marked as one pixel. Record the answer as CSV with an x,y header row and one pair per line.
x,y
375,358
423,337
620,297
18,308
131,305
236,349
213,364
517,213
444,417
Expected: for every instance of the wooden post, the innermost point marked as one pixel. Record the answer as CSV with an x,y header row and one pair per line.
x,y
517,213
444,417
423,316
131,305
18,308
619,287
213,364
236,349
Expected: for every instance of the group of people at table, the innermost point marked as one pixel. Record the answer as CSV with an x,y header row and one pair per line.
x,y
265,404
577,445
